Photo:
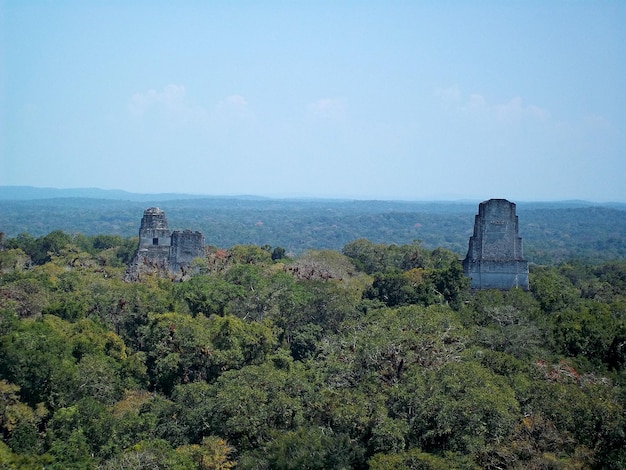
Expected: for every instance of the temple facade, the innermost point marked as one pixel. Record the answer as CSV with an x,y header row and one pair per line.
x,y
163,251
494,258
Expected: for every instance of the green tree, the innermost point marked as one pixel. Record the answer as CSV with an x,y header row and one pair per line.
x,y
155,454
39,359
25,296
392,288
584,411
461,407
278,253
181,348
75,434
415,459
367,256
14,260
19,423
213,453
509,322
587,330
451,283
208,295
246,406
313,448
250,254
50,245
552,290
24,242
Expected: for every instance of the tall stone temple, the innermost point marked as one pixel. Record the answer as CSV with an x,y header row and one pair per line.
x,y
494,258
163,251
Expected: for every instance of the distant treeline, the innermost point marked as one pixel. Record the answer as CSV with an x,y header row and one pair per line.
x,y
551,232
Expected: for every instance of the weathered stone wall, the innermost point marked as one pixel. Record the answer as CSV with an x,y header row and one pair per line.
x,y
494,257
185,246
154,230
161,251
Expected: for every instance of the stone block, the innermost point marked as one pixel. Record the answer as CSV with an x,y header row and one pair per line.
x,y
161,251
494,257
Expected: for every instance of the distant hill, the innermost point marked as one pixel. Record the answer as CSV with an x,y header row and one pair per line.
x,y
16,193
23,193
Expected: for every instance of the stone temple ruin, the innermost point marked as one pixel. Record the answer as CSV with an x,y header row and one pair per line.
x,y
494,258
161,251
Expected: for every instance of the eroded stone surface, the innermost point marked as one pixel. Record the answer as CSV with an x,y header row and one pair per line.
x,y
494,258
161,251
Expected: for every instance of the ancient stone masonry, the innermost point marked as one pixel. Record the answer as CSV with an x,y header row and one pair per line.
x,y
494,258
161,251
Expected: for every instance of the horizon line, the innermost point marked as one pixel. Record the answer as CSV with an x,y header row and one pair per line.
x,y
451,198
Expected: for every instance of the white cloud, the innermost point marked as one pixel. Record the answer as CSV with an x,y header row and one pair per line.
x,y
170,102
476,106
234,107
328,108
597,122
170,97
173,104
515,110
449,96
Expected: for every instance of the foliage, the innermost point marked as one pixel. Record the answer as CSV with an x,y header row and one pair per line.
x,y
375,357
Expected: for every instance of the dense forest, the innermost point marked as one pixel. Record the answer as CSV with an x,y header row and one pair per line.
x,y
552,232
372,356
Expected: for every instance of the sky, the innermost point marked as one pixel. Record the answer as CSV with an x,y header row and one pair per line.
x,y
410,100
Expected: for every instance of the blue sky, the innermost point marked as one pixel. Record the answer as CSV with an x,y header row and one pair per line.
x,y
413,100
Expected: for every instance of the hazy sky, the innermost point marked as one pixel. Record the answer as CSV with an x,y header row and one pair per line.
x,y
362,99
